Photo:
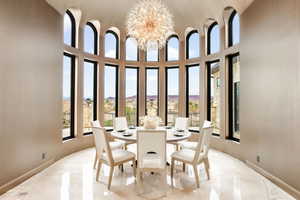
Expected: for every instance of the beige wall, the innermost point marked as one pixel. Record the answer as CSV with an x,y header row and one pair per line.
x,y
30,79
270,87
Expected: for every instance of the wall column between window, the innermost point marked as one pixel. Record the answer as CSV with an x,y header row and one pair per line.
x,y
203,82
101,65
162,84
142,89
122,76
101,76
121,90
182,79
223,78
79,62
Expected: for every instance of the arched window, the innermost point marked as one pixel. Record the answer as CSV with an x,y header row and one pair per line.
x,y
192,45
213,39
69,29
234,29
152,53
90,38
131,49
172,49
111,48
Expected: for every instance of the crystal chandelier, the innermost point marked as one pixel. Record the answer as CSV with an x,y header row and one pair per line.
x,y
150,22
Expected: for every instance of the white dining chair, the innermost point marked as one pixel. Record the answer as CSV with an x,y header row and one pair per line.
x,y
191,144
181,123
113,144
120,124
106,156
197,156
151,152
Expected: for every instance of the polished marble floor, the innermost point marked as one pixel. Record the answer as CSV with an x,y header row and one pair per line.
x,y
73,178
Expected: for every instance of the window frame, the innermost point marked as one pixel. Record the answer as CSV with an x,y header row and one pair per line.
x,y
117,43
166,49
95,91
209,37
73,28
230,135
208,90
158,96
187,44
95,37
166,90
73,93
187,87
117,87
230,28
137,47
138,89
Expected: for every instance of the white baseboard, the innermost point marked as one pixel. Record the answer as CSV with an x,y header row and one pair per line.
x,y
13,183
286,187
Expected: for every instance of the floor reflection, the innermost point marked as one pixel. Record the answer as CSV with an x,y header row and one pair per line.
x,y
73,178
65,186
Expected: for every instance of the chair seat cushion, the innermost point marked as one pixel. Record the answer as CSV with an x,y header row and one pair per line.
x,y
120,155
186,155
189,145
116,145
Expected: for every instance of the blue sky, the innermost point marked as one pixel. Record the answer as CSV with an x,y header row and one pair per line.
x,y
152,82
131,54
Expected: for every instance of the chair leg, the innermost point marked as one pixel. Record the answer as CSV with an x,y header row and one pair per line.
x,y
172,168
134,167
111,171
98,170
196,175
95,161
206,164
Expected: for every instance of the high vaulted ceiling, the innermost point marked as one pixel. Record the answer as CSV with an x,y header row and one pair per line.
x,y
187,13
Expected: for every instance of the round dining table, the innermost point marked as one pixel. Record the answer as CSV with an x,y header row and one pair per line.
x,y
130,135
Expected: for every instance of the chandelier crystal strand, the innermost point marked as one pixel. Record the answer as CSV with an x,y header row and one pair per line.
x,y
151,23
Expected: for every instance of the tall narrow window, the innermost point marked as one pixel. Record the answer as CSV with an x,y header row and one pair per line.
x,y
131,49
90,38
69,29
68,96
89,95
172,94
152,77
213,95
234,29
193,45
193,94
132,97
111,42
152,54
213,39
110,94
234,97
172,48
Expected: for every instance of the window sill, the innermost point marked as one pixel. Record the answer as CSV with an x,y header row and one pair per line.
x,y
233,140
65,140
87,133
108,128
